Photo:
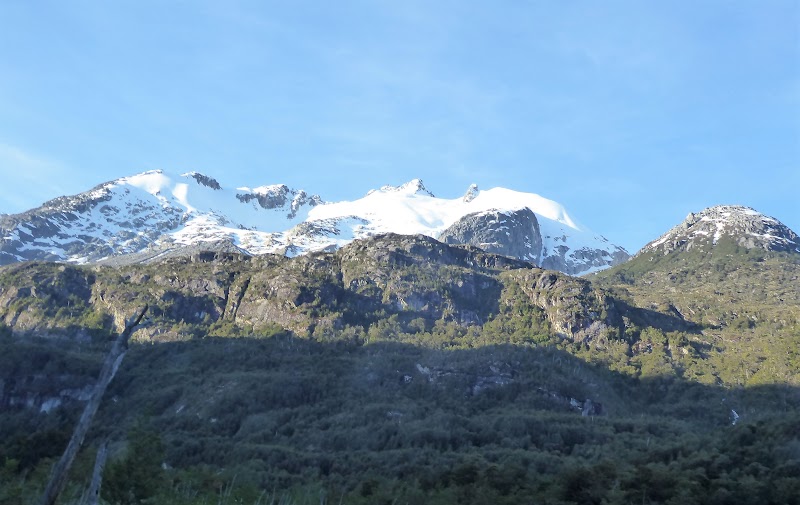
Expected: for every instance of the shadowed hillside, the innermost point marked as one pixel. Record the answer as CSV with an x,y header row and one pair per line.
x,y
387,421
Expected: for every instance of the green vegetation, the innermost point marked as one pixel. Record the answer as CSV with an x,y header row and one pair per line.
x,y
744,305
299,419
397,371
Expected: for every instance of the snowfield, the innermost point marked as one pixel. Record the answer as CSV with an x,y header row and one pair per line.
x,y
157,209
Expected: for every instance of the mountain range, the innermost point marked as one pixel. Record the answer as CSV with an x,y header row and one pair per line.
x,y
151,214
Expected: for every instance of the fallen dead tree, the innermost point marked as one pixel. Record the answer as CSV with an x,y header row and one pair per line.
x,y
58,478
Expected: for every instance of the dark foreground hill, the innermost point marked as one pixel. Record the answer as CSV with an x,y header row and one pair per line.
x,y
235,420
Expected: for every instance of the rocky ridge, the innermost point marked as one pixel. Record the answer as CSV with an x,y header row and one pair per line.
x,y
410,276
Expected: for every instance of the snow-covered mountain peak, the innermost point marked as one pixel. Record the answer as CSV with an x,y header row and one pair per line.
x,y
412,187
743,225
152,181
554,239
510,200
159,210
269,190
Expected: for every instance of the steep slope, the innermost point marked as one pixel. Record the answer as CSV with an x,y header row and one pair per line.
x,y
410,277
153,213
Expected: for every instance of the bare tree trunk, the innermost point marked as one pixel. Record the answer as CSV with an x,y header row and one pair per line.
x,y
97,474
114,358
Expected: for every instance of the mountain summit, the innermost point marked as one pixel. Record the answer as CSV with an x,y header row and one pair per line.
x,y
155,212
743,226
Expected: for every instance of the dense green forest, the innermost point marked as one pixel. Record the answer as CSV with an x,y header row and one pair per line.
x,y
405,371
385,422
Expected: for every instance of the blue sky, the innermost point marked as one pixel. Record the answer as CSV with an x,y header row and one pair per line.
x,y
629,113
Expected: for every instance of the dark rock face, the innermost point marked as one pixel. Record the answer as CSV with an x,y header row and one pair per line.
x,y
281,197
287,293
451,283
42,392
205,180
744,226
515,234
276,197
412,276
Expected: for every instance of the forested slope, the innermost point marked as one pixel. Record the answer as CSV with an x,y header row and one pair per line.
x,y
402,370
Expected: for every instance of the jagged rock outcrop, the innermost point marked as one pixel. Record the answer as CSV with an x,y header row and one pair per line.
x,y
575,309
205,180
471,193
451,283
412,187
280,197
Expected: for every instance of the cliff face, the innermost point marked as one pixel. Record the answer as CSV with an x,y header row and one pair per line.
x,y
411,277
514,234
575,309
